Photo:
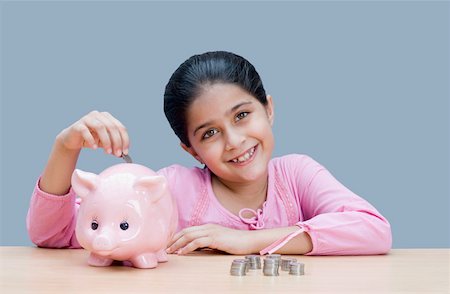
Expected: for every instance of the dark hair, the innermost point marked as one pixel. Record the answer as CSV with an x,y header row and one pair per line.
x,y
201,70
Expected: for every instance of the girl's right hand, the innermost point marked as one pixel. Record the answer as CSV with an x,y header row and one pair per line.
x,y
96,130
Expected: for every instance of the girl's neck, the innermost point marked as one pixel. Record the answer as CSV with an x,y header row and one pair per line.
x,y
235,196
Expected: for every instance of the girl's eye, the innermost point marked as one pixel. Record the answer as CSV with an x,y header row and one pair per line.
x,y
241,115
124,226
210,133
94,225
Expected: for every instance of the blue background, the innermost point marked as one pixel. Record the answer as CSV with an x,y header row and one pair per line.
x,y
362,87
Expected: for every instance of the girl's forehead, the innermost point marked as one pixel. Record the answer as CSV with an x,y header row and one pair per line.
x,y
217,100
219,96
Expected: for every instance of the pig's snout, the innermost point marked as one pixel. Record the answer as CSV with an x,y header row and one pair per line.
x,y
102,243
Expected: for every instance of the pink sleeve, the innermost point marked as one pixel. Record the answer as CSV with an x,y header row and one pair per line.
x,y
51,219
338,221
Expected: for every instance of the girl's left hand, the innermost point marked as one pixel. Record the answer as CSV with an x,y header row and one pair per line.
x,y
212,236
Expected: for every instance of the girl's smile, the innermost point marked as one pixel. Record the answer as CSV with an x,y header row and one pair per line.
x,y
246,157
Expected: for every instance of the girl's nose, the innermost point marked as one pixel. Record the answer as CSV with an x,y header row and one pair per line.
x,y
234,139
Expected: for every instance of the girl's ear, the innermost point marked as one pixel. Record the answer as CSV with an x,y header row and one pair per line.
x,y
192,152
269,109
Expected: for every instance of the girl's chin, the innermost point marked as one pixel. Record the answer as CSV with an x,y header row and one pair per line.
x,y
241,177
251,174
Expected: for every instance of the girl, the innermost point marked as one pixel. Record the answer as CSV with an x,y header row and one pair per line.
x,y
243,201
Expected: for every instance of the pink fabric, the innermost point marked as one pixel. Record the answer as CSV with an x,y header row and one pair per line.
x,y
283,241
300,192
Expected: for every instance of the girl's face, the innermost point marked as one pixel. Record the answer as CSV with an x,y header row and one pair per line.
x,y
231,132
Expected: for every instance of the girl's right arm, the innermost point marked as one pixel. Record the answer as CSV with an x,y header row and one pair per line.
x,y
52,214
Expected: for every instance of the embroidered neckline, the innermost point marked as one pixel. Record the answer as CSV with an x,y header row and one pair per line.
x,y
255,222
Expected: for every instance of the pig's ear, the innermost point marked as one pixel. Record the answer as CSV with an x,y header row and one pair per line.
x,y
152,186
83,182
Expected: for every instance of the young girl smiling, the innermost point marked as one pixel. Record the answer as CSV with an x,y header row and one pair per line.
x,y
243,201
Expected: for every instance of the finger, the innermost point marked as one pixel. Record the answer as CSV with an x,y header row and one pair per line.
x,y
186,239
195,244
179,234
185,231
99,128
122,130
114,134
88,139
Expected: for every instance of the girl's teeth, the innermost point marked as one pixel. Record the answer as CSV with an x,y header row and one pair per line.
x,y
244,157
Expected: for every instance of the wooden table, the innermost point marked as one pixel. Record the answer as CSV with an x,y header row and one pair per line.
x,y
38,270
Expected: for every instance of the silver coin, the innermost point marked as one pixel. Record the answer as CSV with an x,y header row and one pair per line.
x,y
238,267
274,256
270,270
297,269
127,158
286,263
254,261
271,266
272,261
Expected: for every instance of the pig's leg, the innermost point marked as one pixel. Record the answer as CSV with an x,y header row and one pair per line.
x,y
97,260
162,255
146,260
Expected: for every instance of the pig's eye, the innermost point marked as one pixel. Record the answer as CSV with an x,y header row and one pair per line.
x,y
94,225
124,226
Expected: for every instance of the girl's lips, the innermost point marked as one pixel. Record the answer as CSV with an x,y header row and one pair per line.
x,y
246,157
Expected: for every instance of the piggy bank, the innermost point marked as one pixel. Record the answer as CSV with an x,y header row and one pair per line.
x,y
126,213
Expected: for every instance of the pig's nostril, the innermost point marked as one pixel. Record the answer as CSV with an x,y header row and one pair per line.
x,y
102,243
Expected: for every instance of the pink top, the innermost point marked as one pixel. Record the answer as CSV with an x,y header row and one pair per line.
x,y
300,192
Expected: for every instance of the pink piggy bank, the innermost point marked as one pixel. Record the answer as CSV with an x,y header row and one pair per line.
x,y
126,213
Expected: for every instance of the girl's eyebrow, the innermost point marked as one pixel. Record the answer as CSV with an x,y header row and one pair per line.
x,y
233,109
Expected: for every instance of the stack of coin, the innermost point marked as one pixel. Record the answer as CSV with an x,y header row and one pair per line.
x,y
271,266
285,263
254,261
276,257
297,268
239,267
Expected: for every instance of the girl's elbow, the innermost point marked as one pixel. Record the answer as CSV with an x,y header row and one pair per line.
x,y
377,237
49,242
34,234
385,239
45,239
37,240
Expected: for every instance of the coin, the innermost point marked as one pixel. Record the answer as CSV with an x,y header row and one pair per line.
x,y
276,257
297,268
255,261
286,263
239,267
127,158
271,266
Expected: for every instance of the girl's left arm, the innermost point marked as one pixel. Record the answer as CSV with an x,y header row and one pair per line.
x,y
338,221
334,221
